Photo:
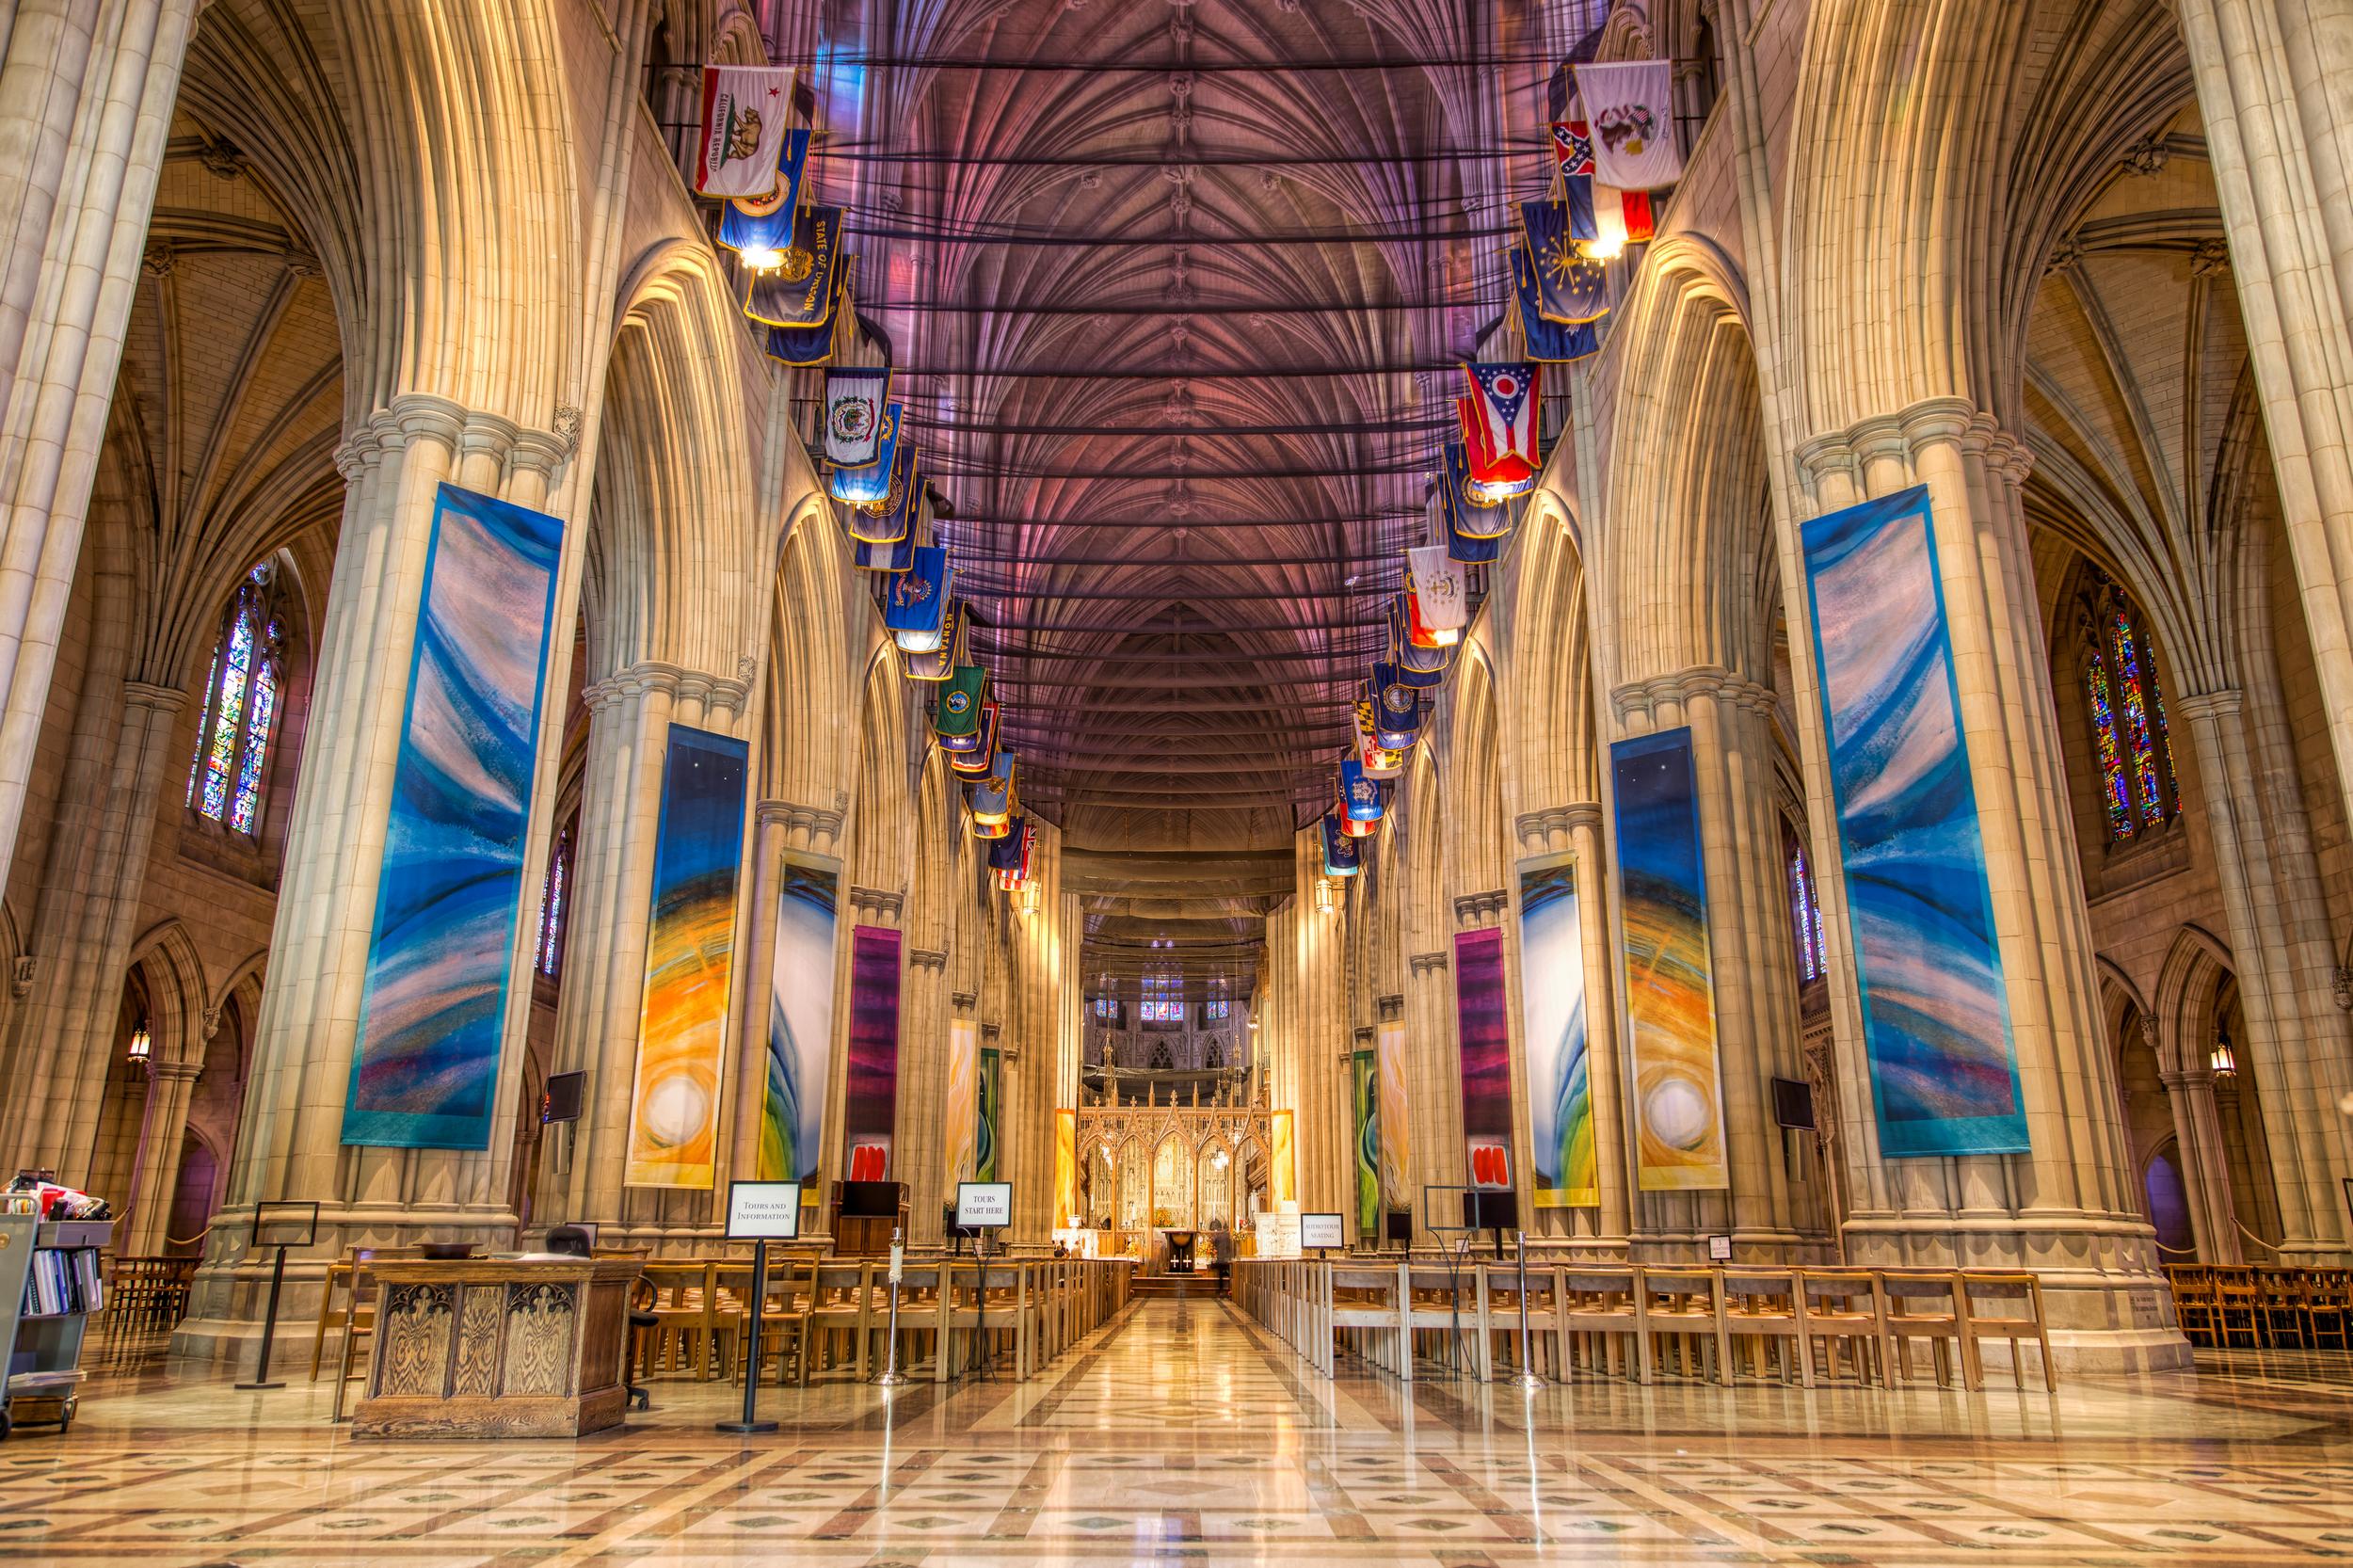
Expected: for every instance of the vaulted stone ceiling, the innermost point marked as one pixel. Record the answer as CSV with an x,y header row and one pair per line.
x,y
1176,290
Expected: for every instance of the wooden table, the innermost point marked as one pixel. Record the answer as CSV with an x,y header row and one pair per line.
x,y
497,1347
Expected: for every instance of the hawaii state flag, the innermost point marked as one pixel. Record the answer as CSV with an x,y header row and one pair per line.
x,y
743,126
1503,409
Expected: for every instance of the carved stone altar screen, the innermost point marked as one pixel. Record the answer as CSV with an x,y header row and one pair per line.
x,y
1160,1167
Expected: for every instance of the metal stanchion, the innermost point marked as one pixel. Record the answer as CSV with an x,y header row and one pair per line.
x,y
892,1377
1528,1378
758,1305
269,1324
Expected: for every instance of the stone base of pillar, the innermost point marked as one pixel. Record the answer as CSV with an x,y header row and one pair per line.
x,y
2107,1306
232,1288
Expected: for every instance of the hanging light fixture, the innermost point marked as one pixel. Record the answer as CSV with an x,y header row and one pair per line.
x,y
142,1043
2222,1059
1327,901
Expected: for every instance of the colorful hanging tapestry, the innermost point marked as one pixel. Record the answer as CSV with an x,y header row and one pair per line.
x,y
1065,1169
1282,1172
800,1023
433,1004
1935,1016
743,129
1366,1090
1670,973
1397,1150
992,1079
961,1108
870,1117
1485,1045
689,960
1552,1009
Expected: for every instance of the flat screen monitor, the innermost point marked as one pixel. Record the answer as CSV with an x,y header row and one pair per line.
x,y
1793,1103
870,1200
564,1095
1491,1211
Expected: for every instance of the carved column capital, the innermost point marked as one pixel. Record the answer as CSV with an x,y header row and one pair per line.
x,y
1422,963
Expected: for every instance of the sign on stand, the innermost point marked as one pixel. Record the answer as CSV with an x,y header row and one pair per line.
x,y
763,1211
983,1204
1278,1234
1321,1232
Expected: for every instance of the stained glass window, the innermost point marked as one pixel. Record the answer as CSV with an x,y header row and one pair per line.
x,y
552,905
1805,914
2138,722
2116,797
1163,998
1219,1007
231,763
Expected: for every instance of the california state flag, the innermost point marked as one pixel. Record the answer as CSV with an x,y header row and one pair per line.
x,y
745,109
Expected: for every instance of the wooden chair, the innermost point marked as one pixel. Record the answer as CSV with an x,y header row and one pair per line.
x,y
2197,1310
1984,1293
840,1316
1598,1318
1845,1307
681,1338
1685,1309
2238,1307
2280,1307
1764,1316
2327,1303
1923,1303
359,1314
330,1316
1500,1318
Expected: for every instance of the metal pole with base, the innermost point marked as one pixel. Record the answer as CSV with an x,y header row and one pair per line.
x,y
892,1377
980,1347
269,1326
751,1348
1528,1378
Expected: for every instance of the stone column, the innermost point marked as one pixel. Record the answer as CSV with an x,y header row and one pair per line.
x,y
88,918
922,1137
2206,1166
156,1177
1754,962
2067,1208
1437,1153
87,88
2297,1040
2277,112
1042,987
291,1144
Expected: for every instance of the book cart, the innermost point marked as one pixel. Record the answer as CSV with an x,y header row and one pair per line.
x,y
51,1282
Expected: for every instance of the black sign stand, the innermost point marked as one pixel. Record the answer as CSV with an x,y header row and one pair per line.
x,y
757,1308
269,1324
282,1219
986,1352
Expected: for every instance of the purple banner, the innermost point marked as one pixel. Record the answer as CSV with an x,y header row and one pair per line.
x,y
1486,1050
870,1113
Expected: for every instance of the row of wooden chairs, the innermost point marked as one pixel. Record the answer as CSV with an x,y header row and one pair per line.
x,y
2228,1306
147,1295
1647,1322
820,1315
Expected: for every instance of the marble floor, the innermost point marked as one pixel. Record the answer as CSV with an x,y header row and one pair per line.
x,y
1180,1435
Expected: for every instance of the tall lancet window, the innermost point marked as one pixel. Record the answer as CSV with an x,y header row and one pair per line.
x,y
2128,735
1805,908
551,903
241,701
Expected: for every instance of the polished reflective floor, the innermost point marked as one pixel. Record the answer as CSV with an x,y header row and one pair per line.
x,y
1180,1435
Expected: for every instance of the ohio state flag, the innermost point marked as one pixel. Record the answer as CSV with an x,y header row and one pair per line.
x,y
744,116
1501,412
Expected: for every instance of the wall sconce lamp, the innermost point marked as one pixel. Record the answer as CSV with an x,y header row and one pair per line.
x,y
2222,1059
142,1043
1327,900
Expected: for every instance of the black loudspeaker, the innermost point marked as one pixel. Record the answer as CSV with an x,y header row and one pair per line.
x,y
1398,1226
1486,1211
1793,1104
564,1095
870,1200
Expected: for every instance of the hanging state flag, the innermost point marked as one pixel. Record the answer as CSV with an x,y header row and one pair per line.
x,y
1023,848
1418,632
1340,857
1572,148
1485,466
890,519
1604,218
956,717
1378,761
991,831
1630,106
1396,709
1441,597
857,414
1360,795
744,128
759,228
1571,287
807,347
975,763
1005,855
1549,340
863,484
992,797
915,607
896,556
1474,496
940,663
1504,398
1421,659
798,291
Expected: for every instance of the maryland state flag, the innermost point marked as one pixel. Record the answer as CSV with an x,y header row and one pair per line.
x,y
1500,421
798,291
863,484
975,763
744,128
941,662
915,606
1378,761
759,228
956,717
1340,857
1548,341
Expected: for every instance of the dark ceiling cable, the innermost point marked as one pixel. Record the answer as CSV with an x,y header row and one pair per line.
x,y
970,590
1180,239
1414,64
984,470
932,427
1187,373
869,153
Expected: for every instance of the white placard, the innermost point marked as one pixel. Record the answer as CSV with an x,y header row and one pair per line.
x,y
1320,1230
1278,1235
763,1211
984,1203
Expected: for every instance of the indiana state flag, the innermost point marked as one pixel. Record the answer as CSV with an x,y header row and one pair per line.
x,y
1571,287
1504,398
1553,341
